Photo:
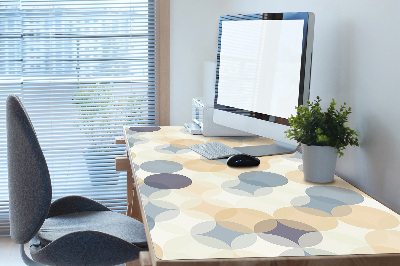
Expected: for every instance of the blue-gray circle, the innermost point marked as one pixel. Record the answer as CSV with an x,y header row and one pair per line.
x,y
161,166
136,167
343,195
211,234
169,149
150,222
167,181
263,179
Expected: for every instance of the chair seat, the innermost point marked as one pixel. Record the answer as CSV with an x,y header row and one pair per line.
x,y
108,222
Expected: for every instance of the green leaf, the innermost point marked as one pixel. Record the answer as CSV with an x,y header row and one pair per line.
x,y
312,126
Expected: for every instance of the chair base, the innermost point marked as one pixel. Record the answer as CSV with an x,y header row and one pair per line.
x,y
26,259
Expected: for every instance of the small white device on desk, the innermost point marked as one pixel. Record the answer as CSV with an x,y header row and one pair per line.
x,y
202,122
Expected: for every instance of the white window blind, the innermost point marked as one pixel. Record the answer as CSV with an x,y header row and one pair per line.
x,y
83,69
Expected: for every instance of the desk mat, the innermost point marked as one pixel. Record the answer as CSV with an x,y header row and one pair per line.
x,y
200,209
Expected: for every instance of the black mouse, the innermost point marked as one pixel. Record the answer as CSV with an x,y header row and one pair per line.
x,y
242,160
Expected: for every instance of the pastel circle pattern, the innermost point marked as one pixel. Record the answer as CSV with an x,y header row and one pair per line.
x,y
198,208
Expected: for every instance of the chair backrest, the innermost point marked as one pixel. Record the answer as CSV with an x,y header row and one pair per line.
x,y
29,183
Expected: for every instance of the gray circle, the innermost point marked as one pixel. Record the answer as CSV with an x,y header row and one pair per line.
x,y
161,166
167,181
343,195
263,179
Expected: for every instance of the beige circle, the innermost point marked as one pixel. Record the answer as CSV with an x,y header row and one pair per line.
x,y
157,251
197,189
379,249
363,250
204,165
317,219
384,238
164,139
295,176
169,129
182,158
344,210
196,209
184,143
140,181
264,163
265,226
211,209
244,220
298,177
367,217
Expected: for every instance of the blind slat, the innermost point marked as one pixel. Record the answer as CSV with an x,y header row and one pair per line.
x,y
83,69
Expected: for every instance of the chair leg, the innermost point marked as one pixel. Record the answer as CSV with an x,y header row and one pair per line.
x,y
26,259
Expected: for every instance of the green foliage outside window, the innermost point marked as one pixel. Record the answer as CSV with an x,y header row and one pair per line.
x,y
100,106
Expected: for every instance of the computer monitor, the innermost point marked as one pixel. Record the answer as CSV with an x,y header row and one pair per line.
x,y
263,73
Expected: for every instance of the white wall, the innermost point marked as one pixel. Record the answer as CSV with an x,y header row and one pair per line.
x,y
194,41
356,59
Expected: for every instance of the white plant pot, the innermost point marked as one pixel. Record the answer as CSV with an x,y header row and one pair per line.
x,y
319,163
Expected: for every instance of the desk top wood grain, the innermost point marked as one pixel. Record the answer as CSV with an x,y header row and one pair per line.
x,y
199,209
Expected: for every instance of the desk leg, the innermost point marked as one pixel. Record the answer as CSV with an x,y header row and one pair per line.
x,y
133,199
122,164
144,260
134,212
129,193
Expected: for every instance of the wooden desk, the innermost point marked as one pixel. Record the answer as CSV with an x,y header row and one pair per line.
x,y
202,212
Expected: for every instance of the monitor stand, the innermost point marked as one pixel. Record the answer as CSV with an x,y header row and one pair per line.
x,y
268,150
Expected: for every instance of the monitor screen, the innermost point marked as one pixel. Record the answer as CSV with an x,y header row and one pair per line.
x,y
260,63
263,71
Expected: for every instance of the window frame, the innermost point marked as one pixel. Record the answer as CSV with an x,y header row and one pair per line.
x,y
163,36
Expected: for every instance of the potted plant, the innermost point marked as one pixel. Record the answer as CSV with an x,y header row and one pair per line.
x,y
323,135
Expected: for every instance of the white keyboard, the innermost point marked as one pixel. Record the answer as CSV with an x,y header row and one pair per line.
x,y
214,150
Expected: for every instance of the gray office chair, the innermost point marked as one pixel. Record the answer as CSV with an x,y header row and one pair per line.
x,y
70,231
